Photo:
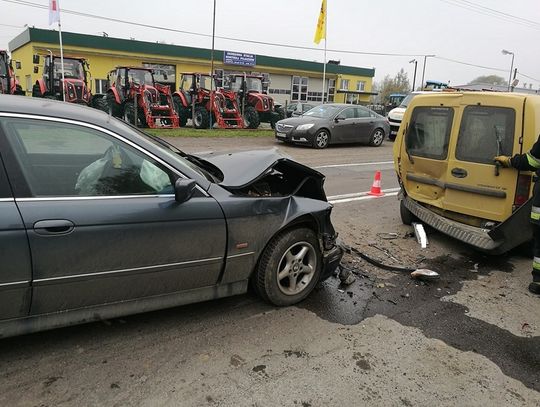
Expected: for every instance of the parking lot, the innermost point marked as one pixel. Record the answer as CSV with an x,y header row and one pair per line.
x,y
470,338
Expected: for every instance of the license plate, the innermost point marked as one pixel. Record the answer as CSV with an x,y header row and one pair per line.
x,y
281,135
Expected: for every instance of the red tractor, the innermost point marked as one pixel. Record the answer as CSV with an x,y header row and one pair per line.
x,y
198,99
75,87
8,83
138,99
255,104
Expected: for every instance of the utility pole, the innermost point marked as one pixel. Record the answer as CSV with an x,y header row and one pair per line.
x,y
414,76
424,70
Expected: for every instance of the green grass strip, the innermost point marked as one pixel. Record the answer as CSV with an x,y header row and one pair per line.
x,y
190,132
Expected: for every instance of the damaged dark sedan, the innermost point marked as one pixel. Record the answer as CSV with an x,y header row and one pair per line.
x,y
100,220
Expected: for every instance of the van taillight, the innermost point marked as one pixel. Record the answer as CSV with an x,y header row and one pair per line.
x,y
523,189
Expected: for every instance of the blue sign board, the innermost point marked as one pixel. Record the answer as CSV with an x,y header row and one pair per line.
x,y
239,58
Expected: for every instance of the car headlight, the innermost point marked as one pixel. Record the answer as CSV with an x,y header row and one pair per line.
x,y
303,127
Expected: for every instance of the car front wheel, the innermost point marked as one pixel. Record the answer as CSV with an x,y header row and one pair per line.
x,y
289,268
377,138
321,139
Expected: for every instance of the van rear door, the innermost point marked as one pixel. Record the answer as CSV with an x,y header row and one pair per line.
x,y
488,125
423,156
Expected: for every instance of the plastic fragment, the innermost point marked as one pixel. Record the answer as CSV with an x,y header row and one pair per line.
x,y
425,274
420,233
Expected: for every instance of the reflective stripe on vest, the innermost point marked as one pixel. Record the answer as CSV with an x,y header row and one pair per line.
x,y
536,263
533,161
535,213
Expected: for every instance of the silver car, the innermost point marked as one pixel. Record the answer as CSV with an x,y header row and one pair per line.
x,y
334,123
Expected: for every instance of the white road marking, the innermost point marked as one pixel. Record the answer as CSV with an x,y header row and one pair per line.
x,y
360,196
353,164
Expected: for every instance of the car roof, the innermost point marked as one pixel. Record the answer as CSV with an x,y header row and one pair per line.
x,y
49,107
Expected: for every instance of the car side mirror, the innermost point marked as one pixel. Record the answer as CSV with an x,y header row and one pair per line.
x,y
339,118
184,189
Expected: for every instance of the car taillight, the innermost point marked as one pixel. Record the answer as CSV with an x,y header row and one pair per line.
x,y
523,189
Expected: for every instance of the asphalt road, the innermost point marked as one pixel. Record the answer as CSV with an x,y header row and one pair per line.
x,y
471,338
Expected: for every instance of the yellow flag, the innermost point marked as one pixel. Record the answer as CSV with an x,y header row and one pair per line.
x,y
320,32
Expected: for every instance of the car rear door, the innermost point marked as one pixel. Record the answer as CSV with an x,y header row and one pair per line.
x,y
488,126
15,269
103,225
423,155
343,128
364,124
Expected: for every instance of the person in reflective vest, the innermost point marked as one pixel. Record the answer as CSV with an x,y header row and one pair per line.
x,y
530,162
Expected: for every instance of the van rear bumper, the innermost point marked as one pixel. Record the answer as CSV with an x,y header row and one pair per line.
x,y
509,234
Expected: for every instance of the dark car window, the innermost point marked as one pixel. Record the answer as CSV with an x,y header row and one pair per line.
x,y
5,191
361,112
429,131
485,132
291,107
61,159
323,111
306,107
349,113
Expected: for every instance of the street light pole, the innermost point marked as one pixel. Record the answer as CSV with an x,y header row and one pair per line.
x,y
424,70
505,52
414,76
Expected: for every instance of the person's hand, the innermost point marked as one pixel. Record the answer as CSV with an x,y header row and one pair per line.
x,y
503,160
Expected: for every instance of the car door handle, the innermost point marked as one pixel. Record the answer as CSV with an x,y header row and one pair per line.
x,y
459,172
53,227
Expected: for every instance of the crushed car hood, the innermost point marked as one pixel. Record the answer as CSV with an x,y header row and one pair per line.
x,y
266,172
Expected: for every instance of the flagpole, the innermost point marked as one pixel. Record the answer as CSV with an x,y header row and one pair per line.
x,y
325,96
61,53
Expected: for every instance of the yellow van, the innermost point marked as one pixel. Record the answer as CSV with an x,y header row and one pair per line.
x,y
443,156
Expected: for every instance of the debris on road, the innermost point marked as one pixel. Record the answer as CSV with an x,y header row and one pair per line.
x,y
346,276
425,275
388,235
353,250
420,233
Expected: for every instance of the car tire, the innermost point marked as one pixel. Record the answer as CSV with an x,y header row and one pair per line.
x,y
289,268
407,217
251,118
201,118
321,139
377,137
113,108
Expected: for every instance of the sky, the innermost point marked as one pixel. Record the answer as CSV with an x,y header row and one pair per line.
x,y
471,32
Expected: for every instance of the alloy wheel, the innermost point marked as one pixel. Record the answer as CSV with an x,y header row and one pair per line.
x,y
296,268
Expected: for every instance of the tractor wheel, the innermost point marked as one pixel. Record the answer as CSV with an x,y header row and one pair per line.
x,y
181,111
129,115
281,116
113,108
101,104
251,117
201,119
36,91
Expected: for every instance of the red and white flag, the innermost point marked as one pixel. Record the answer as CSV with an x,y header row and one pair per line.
x,y
54,12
